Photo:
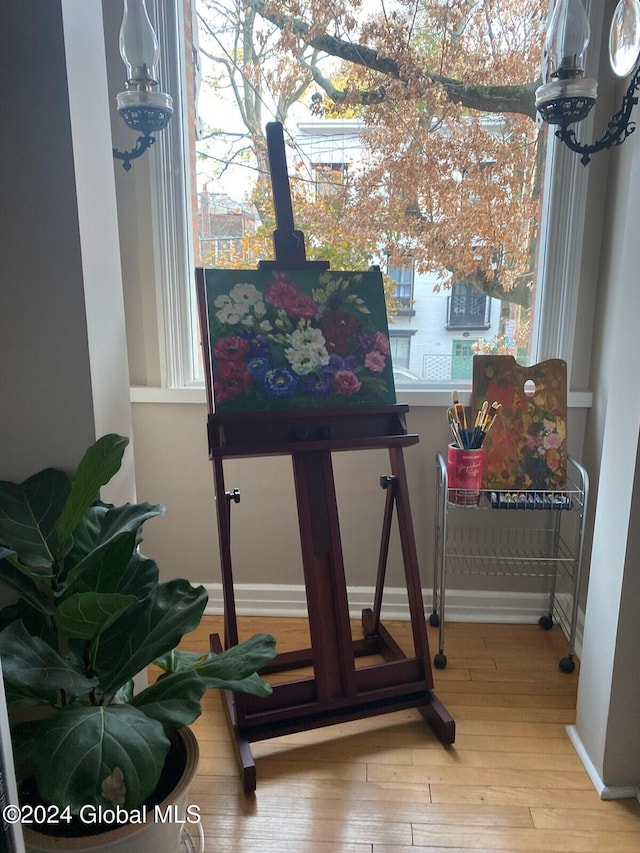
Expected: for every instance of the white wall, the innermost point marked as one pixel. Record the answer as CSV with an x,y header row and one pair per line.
x,y
173,468
609,696
64,376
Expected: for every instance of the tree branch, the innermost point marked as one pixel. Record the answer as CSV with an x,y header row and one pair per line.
x,y
518,99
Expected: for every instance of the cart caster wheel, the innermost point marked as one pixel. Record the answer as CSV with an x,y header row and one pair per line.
x,y
545,622
440,661
434,620
567,664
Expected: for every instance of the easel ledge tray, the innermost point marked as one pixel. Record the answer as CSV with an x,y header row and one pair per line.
x,y
234,434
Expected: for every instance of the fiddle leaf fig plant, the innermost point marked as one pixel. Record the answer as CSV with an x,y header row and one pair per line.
x,y
91,613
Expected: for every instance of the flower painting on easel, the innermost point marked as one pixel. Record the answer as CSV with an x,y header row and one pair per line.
x,y
288,339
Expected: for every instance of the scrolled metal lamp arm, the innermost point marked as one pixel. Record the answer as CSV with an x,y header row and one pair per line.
x,y
619,128
142,144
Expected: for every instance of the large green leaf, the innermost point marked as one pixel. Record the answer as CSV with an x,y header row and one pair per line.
x,y
30,662
98,465
86,533
113,524
141,577
29,512
87,614
25,587
104,572
21,696
233,669
74,753
174,700
147,630
250,684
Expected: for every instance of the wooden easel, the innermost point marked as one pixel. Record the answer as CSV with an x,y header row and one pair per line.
x,y
337,690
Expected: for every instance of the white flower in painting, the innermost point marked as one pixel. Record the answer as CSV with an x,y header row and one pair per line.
x,y
246,293
248,297
243,304
222,301
307,350
229,314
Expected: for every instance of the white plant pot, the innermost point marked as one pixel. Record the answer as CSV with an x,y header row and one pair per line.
x,y
153,835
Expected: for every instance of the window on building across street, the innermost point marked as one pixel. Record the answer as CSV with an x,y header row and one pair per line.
x,y
467,308
402,275
329,178
453,203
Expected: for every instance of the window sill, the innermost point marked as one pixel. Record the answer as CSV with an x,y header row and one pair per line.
x,y
439,397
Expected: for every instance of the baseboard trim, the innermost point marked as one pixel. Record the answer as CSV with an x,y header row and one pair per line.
x,y
605,792
461,605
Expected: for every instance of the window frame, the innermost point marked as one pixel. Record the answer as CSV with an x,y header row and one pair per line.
x,y
561,234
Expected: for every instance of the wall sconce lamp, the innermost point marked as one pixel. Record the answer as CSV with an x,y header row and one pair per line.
x,y
142,105
567,96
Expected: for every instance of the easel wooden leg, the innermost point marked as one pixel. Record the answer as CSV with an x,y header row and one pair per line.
x,y
242,747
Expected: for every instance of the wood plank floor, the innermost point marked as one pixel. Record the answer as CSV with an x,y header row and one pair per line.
x,y
512,781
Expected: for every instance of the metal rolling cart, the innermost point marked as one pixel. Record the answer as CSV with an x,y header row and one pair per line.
x,y
544,539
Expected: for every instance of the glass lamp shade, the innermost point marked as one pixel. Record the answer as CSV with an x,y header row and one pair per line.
x,y
568,38
139,47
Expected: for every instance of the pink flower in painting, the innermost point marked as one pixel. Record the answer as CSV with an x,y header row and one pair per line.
x,y
346,383
282,293
382,343
553,460
232,348
302,307
374,361
552,441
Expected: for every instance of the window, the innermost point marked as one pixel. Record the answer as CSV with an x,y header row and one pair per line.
x,y
424,344
329,178
403,276
400,348
467,309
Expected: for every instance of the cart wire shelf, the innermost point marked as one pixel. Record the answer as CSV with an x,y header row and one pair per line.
x,y
515,551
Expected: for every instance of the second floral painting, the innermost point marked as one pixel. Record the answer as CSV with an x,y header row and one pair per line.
x,y
296,339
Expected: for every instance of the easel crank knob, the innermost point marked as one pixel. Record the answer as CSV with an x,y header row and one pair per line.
x,y
387,480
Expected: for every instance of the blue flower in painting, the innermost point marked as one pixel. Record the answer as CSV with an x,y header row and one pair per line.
x,y
367,340
320,386
280,382
339,362
258,366
259,345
